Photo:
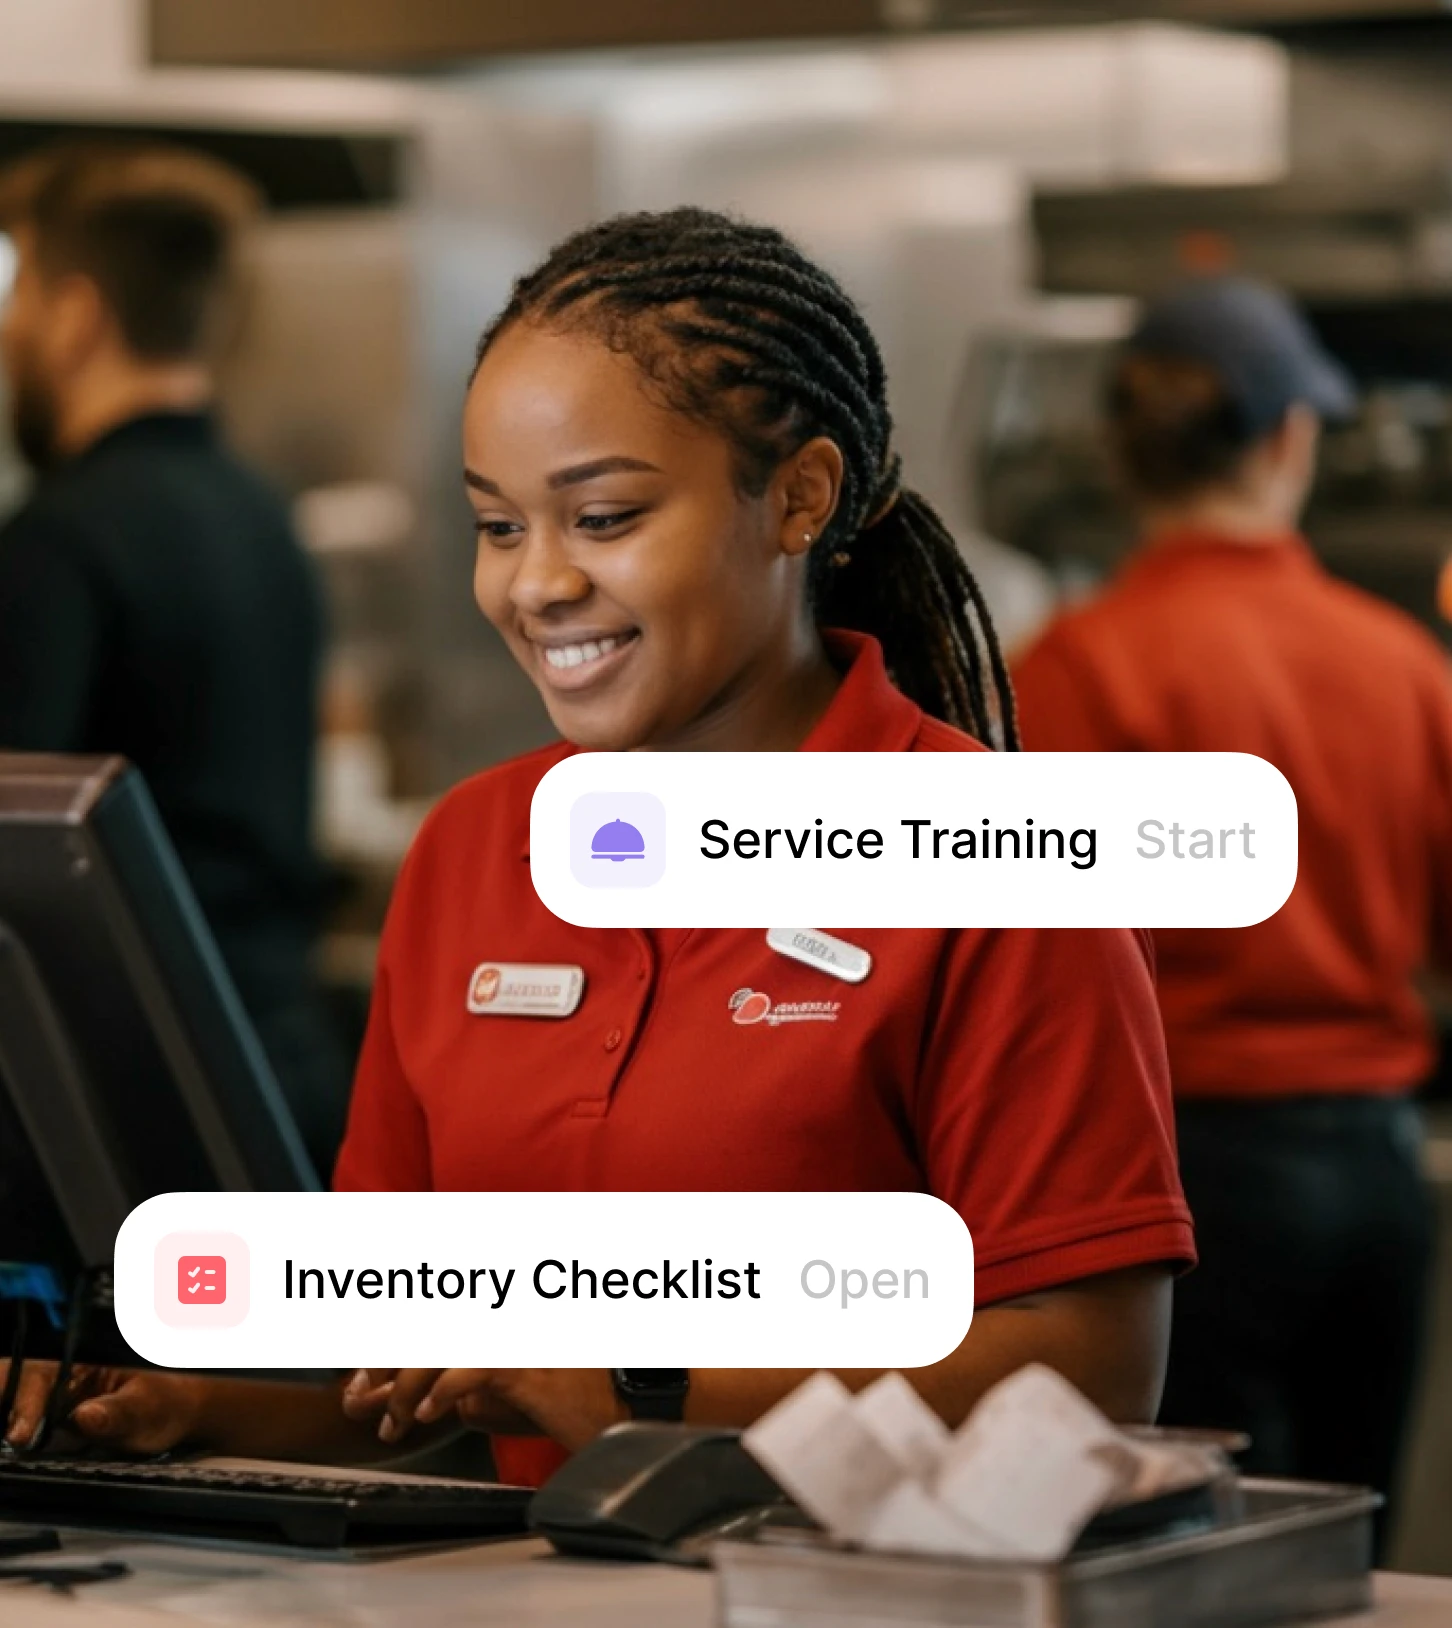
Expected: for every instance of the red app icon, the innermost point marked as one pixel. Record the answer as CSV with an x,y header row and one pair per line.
x,y
201,1280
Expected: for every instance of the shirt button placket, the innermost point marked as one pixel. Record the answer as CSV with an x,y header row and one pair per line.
x,y
614,1039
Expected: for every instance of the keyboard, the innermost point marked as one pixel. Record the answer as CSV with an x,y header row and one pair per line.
x,y
308,1506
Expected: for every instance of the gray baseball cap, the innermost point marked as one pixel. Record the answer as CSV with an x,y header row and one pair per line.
x,y
1258,343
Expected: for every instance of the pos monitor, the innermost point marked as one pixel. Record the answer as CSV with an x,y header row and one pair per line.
x,y
127,1064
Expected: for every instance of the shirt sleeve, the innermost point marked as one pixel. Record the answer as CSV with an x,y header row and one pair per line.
x,y
385,1147
1047,1121
1439,824
52,624
1056,707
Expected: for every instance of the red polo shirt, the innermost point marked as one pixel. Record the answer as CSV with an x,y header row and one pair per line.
x,y
1018,1075
1204,644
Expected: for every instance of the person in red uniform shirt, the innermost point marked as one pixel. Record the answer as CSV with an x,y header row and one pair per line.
x,y
1293,1044
692,536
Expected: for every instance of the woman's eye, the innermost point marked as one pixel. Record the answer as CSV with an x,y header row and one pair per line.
x,y
498,530
607,522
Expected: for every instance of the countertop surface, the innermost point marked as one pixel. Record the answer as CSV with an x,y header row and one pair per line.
x,y
517,1583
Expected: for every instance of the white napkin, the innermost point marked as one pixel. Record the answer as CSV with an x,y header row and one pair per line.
x,y
1022,1477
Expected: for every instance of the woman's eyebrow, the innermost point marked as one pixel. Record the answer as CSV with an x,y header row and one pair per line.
x,y
598,466
571,476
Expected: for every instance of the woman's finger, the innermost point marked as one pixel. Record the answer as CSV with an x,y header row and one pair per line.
x,y
36,1382
449,1390
364,1380
145,1413
408,1389
367,1391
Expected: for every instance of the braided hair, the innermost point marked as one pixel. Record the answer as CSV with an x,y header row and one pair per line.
x,y
735,327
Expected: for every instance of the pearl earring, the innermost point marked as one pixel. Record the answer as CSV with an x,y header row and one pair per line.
x,y
807,537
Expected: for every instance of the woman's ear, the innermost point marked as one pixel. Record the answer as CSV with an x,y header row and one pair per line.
x,y
78,322
810,485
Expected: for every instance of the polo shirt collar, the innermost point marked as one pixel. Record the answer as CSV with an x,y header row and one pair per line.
x,y
868,713
1174,550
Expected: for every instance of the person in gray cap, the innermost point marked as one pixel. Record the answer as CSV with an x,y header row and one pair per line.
x,y
1294,1044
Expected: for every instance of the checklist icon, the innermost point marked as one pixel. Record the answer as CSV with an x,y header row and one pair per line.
x,y
201,1280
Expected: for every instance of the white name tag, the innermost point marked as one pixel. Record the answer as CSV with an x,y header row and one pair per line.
x,y
830,955
518,989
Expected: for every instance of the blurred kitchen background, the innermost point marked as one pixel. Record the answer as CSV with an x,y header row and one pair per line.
x,y
997,183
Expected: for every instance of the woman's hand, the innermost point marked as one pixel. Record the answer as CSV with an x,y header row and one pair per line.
x,y
569,1405
133,1410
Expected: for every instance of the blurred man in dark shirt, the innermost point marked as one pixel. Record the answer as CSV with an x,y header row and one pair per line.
x,y
154,600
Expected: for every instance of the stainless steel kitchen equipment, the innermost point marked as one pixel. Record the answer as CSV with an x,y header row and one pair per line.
x,y
1300,1551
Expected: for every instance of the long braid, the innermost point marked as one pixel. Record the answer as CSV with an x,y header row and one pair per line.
x,y
739,329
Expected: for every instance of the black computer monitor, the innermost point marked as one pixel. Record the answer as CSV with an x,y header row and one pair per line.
x,y
128,1066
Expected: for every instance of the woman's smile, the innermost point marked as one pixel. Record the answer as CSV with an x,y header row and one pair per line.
x,y
574,662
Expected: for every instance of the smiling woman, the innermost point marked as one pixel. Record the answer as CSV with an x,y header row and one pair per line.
x,y
692,534
616,579
691,482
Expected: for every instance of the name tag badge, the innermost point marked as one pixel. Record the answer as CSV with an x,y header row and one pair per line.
x,y
519,989
834,956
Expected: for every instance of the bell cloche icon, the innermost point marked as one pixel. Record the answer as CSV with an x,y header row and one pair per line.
x,y
617,841
612,826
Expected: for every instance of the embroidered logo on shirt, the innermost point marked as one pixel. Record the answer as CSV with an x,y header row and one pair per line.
x,y
748,1006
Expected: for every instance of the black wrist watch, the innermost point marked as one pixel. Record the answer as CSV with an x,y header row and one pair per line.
x,y
653,1393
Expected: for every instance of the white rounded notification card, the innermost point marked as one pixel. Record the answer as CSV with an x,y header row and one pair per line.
x,y
914,839
518,1280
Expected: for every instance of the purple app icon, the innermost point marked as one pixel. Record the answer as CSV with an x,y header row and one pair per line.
x,y
617,839
617,842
